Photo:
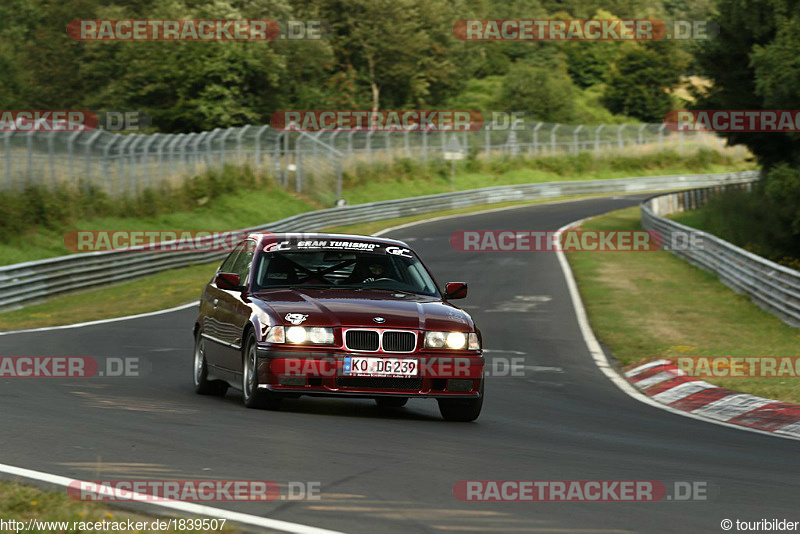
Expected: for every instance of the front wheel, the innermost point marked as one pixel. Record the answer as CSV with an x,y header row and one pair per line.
x,y
253,397
202,385
462,410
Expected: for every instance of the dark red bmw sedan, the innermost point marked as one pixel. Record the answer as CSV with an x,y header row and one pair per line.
x,y
336,315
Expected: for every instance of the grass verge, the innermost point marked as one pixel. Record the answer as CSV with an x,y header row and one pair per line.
x,y
167,289
33,223
645,305
20,502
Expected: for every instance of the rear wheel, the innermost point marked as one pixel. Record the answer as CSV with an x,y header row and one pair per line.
x,y
391,402
202,385
462,410
254,397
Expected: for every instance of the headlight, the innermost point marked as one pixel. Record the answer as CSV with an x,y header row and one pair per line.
x,y
298,335
451,340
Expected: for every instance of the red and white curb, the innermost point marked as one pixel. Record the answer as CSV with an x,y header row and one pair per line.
x,y
664,382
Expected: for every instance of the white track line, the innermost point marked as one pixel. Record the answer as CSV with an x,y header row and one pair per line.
x,y
601,360
103,321
185,507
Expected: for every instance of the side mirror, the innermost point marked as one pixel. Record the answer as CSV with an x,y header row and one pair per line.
x,y
228,281
455,290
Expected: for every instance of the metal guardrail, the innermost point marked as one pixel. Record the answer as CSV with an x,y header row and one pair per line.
x,y
771,286
25,283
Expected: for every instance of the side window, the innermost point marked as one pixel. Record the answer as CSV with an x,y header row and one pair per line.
x,y
227,265
241,265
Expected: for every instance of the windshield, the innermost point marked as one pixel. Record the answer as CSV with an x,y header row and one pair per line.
x,y
345,270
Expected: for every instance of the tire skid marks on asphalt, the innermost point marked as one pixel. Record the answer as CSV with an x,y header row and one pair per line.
x,y
521,304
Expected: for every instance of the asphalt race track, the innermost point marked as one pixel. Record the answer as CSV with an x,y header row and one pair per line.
x,y
394,472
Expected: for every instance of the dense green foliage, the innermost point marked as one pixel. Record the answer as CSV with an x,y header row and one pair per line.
x,y
754,64
378,54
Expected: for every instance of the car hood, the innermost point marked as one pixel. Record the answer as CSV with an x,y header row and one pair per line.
x,y
359,308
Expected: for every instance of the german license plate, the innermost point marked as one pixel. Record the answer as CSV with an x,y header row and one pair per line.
x,y
368,366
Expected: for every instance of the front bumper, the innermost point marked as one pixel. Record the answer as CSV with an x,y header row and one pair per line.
x,y
320,372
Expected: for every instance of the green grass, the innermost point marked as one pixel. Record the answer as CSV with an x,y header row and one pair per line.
x,y
408,178
213,202
21,502
163,290
645,305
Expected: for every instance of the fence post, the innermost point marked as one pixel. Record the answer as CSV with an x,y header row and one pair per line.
x,y
298,161
286,159
160,154
368,146
575,141
223,142
639,136
195,141
257,149
184,143
89,143
425,146
619,135
553,138
210,145
134,169
257,163
171,149
70,144
239,135
51,155
487,139
146,152
107,162
536,137
597,137
121,161
406,144
7,145
661,135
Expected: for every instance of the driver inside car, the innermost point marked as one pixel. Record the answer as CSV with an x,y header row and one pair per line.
x,y
369,271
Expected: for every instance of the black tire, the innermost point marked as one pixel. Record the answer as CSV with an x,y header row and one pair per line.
x,y
252,396
202,385
461,410
391,402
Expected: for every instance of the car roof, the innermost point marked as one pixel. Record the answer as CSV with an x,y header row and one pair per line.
x,y
271,236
